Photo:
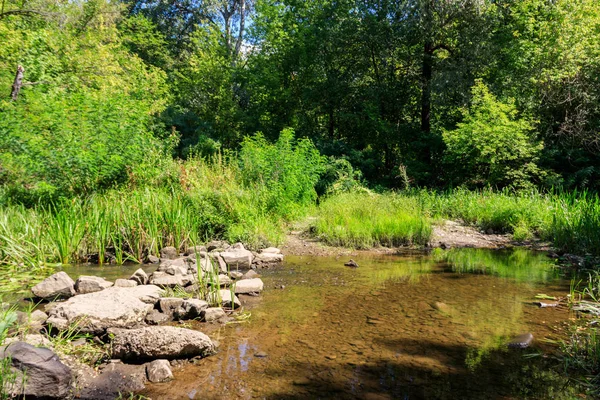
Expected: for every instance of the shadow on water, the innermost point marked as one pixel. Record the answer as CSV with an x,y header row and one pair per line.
x,y
414,327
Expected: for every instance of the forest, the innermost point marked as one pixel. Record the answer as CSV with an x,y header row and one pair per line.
x,y
127,126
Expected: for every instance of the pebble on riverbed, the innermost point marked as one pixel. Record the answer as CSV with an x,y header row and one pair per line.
x,y
521,341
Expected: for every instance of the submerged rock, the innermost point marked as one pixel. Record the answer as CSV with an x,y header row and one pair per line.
x,y
59,285
40,374
90,284
155,342
112,307
159,371
115,378
352,264
521,341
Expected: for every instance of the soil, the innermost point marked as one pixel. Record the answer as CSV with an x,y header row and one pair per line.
x,y
448,234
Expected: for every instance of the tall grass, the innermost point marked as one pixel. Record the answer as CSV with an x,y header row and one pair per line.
x,y
366,220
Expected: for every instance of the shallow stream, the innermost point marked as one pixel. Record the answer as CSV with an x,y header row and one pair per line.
x,y
402,327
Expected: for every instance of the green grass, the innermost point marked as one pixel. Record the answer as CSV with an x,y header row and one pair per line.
x,y
366,220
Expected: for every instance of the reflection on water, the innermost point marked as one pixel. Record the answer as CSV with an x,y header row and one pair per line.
x,y
396,327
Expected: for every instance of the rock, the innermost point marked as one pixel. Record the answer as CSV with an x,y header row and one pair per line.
x,y
112,307
32,322
236,275
59,285
352,264
250,275
260,354
225,297
177,270
156,342
224,280
195,250
139,276
245,286
183,262
125,283
192,308
162,279
36,340
169,253
213,314
218,245
222,264
441,307
153,259
46,376
521,341
272,250
115,378
238,257
90,284
169,305
205,264
159,371
155,317
269,258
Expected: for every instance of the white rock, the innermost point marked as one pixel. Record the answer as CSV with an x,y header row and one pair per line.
x,y
255,285
159,371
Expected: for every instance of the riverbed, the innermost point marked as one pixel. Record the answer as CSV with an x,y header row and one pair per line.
x,y
399,326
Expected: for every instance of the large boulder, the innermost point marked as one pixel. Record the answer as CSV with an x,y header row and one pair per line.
x,y
245,286
112,307
237,256
90,284
39,372
156,342
59,285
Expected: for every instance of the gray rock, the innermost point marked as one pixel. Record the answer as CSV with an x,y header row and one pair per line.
x,y
163,279
169,252
140,277
192,308
115,378
521,341
205,264
32,322
273,250
245,286
153,259
125,283
169,305
155,317
238,257
183,262
112,307
251,274
46,376
36,339
218,245
224,296
177,270
59,285
222,264
159,371
157,342
269,258
236,275
90,284
224,280
213,314
195,250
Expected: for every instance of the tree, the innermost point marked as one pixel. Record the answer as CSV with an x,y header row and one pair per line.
x,y
493,145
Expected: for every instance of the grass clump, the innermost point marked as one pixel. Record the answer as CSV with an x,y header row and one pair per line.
x,y
367,220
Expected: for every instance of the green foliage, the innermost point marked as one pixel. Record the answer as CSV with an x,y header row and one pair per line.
x,y
492,146
367,220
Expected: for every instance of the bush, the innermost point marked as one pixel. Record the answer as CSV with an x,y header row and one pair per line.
x,y
492,146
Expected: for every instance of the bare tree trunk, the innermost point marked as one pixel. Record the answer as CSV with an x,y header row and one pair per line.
x,y
240,38
16,87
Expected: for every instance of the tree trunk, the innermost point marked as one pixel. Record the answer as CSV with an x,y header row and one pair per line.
x,y
16,87
426,75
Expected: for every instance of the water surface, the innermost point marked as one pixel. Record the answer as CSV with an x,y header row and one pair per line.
x,y
402,327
